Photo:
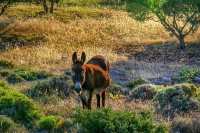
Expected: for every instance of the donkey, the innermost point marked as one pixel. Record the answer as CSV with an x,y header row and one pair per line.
x,y
90,77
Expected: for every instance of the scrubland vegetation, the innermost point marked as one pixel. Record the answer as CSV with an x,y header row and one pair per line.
x,y
155,85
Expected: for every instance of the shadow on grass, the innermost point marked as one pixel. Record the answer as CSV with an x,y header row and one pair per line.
x,y
155,61
11,40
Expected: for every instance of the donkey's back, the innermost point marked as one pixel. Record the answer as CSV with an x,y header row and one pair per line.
x,y
101,62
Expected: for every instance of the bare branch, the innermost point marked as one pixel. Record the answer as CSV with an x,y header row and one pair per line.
x,y
4,7
188,20
193,28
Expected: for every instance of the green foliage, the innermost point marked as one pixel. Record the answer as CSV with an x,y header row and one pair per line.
x,y
20,75
161,8
53,86
115,88
55,124
17,106
190,89
14,78
30,75
135,83
15,75
188,74
179,17
6,124
48,123
108,121
143,92
177,99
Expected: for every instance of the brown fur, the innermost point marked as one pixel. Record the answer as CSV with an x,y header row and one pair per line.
x,y
95,77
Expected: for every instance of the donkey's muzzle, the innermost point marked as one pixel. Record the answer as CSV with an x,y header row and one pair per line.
x,y
77,87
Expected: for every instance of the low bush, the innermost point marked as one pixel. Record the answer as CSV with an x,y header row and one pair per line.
x,y
53,86
14,78
6,124
143,92
4,72
176,99
185,125
48,123
115,89
6,64
30,75
20,75
190,89
187,75
135,83
108,121
17,106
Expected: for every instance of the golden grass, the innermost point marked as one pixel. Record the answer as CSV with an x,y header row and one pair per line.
x,y
108,36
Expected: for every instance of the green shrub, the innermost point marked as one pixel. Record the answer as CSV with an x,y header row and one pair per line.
x,y
30,75
20,75
187,74
175,99
14,78
115,89
6,64
48,123
185,125
17,106
55,124
190,89
135,83
6,124
143,92
53,86
108,121
4,73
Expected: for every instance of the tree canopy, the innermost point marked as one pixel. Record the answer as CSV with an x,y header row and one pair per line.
x,y
179,17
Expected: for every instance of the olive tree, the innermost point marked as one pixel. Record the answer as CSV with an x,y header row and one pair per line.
x,y
179,17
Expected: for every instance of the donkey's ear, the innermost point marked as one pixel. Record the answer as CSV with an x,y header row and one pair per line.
x,y
83,57
74,57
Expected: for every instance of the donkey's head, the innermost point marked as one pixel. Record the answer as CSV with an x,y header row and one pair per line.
x,y
78,71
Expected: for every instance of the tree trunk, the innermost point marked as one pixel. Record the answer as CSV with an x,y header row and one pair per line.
x,y
44,2
52,6
181,42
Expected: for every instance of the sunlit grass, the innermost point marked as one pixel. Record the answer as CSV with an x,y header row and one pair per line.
x,y
94,30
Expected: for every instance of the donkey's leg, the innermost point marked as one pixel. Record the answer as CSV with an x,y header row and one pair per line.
x,y
84,104
103,95
89,103
98,100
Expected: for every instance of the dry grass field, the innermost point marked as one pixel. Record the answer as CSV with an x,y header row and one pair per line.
x,y
49,41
